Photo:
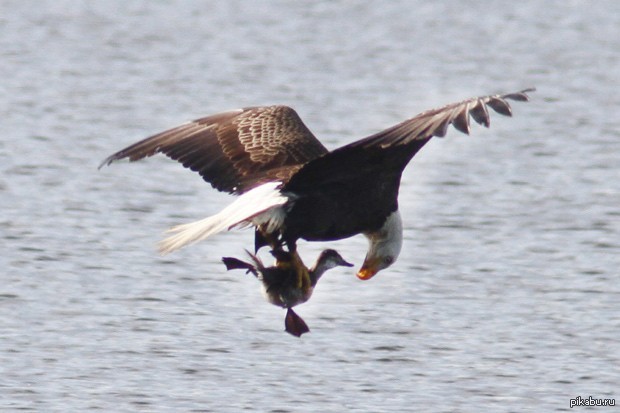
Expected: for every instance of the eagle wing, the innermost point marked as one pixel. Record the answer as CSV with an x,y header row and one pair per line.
x,y
235,151
401,141
435,122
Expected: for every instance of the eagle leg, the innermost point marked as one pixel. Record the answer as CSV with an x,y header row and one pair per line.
x,y
263,239
301,271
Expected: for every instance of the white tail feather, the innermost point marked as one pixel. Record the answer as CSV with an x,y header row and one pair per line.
x,y
261,205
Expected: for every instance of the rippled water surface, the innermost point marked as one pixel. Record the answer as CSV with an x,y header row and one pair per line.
x,y
505,297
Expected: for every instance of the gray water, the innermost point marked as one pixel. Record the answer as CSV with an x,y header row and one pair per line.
x,y
505,297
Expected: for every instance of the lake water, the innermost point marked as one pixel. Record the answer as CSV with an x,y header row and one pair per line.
x,y
506,295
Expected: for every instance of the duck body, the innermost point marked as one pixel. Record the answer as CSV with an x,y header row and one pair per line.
x,y
279,283
284,284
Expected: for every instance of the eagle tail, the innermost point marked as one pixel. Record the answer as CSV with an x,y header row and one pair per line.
x,y
259,206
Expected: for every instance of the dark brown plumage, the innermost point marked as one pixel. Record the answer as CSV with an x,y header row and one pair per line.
x,y
328,195
237,150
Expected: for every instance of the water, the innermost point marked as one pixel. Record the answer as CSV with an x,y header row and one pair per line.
x,y
505,297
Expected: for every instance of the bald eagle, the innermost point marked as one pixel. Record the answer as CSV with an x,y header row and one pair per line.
x,y
290,186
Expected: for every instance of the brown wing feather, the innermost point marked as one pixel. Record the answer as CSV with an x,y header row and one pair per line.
x,y
435,122
237,150
390,150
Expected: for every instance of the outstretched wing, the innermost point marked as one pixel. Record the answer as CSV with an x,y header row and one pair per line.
x,y
237,150
401,141
435,122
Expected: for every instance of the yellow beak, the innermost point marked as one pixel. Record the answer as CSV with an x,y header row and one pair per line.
x,y
368,270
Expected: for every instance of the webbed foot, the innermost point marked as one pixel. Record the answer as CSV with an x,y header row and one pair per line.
x,y
294,324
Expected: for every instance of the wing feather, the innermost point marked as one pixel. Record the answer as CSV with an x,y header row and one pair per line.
x,y
435,122
389,151
235,151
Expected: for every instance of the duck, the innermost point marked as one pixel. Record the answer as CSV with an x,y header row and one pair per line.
x,y
281,284
289,186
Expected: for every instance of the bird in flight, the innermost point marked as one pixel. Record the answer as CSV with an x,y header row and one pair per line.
x,y
291,187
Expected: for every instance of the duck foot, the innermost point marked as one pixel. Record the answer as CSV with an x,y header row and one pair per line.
x,y
294,324
236,264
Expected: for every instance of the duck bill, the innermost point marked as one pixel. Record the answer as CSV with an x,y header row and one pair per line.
x,y
368,270
345,263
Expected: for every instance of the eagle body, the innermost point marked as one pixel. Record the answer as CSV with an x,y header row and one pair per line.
x,y
291,187
345,209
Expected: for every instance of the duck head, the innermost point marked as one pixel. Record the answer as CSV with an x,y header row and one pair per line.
x,y
327,260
